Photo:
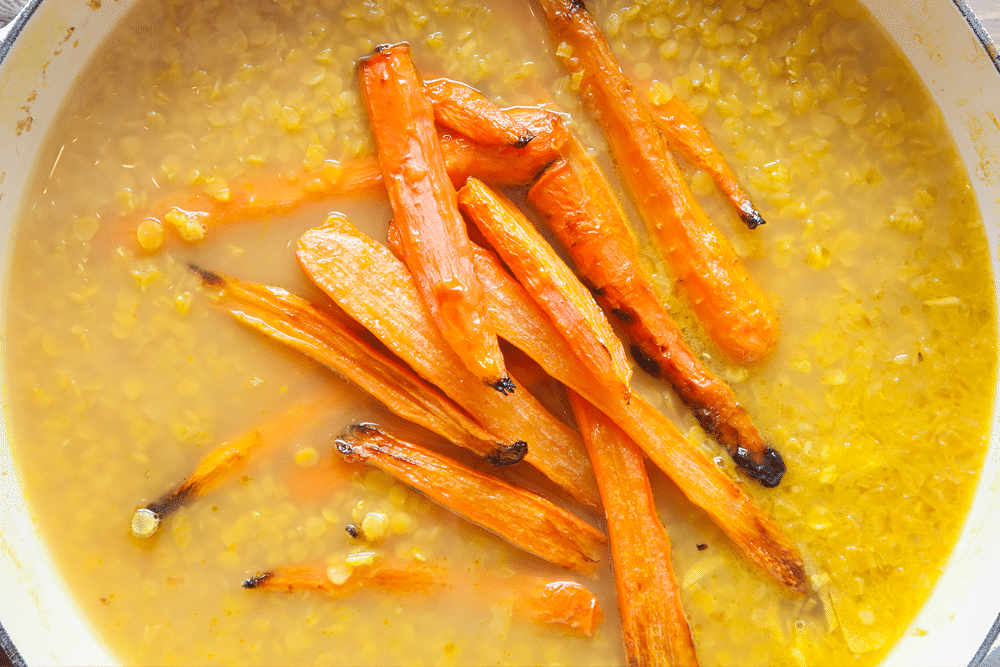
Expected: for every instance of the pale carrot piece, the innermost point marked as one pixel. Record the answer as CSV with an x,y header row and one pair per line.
x,y
464,109
374,288
522,323
579,206
550,282
434,238
735,312
295,322
220,465
690,138
341,583
521,517
654,628
564,603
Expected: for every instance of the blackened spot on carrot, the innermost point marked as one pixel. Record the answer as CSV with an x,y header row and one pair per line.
x,y
344,447
577,6
504,385
707,417
599,291
259,580
767,471
524,140
750,215
208,277
624,316
352,530
702,547
645,362
509,455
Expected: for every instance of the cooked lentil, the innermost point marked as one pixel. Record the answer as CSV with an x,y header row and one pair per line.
x,y
122,373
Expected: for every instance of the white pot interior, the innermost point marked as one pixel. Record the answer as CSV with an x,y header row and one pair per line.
x,y
37,70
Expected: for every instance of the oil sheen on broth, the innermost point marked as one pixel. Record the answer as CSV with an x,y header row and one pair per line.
x,y
123,374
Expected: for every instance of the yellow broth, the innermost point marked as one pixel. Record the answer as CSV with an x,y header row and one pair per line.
x,y
123,373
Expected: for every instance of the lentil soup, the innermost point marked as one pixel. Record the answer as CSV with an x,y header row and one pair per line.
x,y
123,373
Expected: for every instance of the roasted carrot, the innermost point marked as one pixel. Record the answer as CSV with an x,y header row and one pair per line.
x,y
522,323
221,464
341,582
654,628
521,517
690,138
733,309
434,239
374,288
464,109
550,282
563,603
319,334
579,206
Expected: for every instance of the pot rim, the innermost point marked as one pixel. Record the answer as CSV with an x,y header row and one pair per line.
x,y
16,26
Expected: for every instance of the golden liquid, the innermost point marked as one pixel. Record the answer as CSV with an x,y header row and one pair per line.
x,y
123,373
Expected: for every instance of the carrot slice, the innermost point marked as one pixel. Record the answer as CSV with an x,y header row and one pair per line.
x,y
734,311
550,282
295,322
464,109
220,465
522,323
434,238
524,519
563,603
341,582
579,206
374,288
690,138
653,623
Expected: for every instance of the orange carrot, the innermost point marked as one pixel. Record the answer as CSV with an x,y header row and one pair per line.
x,y
550,282
374,288
730,305
522,323
690,138
464,109
220,465
434,239
564,603
341,582
524,519
653,623
578,205
295,322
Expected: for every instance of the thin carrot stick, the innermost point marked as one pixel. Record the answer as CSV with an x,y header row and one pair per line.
x,y
578,205
434,239
690,138
295,322
464,109
524,519
341,583
522,323
550,282
220,465
730,305
372,286
653,623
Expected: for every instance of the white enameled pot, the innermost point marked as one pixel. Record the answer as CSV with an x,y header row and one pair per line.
x,y
49,42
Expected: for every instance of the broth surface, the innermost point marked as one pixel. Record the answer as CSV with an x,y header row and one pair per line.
x,y
122,373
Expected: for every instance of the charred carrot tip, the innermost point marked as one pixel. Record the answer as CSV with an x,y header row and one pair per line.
x,y
751,216
504,385
207,277
254,582
767,471
509,455
524,141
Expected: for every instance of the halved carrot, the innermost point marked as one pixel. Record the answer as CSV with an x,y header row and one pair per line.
x,y
221,464
653,623
521,517
319,334
522,323
434,238
319,578
464,109
550,282
733,309
690,138
372,286
579,206
563,603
